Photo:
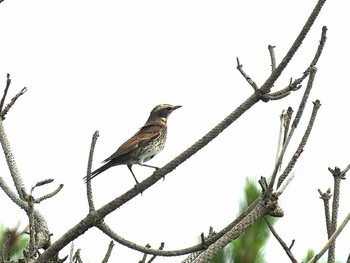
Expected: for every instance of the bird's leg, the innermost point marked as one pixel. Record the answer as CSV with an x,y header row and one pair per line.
x,y
129,166
150,166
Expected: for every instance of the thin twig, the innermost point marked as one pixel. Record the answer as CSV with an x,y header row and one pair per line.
x,y
49,195
286,183
302,104
161,247
272,57
279,239
76,258
12,102
71,251
320,46
331,240
280,134
266,87
301,146
293,127
295,85
8,83
88,172
288,117
109,252
192,257
266,205
285,125
245,75
41,183
143,260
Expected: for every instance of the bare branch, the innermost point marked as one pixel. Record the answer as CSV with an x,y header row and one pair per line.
x,y
8,83
285,118
272,57
108,253
295,85
325,197
76,258
10,159
338,175
294,126
41,183
279,239
94,218
285,184
266,87
49,195
71,251
161,247
331,240
245,75
144,257
301,146
266,205
88,172
280,134
12,102
288,119
309,86
320,46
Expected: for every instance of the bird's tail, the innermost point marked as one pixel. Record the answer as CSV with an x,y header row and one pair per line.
x,y
97,171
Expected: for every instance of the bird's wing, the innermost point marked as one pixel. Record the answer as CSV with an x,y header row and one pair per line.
x,y
144,135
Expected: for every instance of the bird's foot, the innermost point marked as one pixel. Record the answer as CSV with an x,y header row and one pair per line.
x,y
137,187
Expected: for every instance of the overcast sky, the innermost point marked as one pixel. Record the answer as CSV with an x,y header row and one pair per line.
x,y
104,65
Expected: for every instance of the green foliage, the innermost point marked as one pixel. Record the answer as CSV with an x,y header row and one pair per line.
x,y
12,243
309,255
248,247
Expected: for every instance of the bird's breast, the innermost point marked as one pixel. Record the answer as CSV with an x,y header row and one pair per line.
x,y
153,147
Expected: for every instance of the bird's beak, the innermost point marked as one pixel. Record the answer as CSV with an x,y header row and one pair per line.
x,y
176,107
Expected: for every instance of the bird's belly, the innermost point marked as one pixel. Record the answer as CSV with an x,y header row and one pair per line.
x,y
150,152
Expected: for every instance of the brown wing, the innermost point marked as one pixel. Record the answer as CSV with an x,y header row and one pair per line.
x,y
144,135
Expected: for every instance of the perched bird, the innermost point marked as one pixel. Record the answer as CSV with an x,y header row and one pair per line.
x,y
144,145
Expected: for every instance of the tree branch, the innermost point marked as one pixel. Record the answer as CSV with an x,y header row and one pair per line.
x,y
279,239
88,172
331,240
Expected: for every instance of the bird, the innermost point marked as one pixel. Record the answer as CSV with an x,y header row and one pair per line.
x,y
143,146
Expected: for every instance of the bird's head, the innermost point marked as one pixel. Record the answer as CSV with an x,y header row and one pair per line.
x,y
163,110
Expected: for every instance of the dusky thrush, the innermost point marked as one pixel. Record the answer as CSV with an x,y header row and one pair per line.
x,y
144,145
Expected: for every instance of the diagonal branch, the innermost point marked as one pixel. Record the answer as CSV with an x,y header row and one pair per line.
x,y
301,146
279,239
331,240
246,76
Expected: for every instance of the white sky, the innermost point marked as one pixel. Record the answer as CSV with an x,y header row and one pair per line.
x,y
104,65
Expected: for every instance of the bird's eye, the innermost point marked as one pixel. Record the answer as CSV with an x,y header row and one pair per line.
x,y
168,108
